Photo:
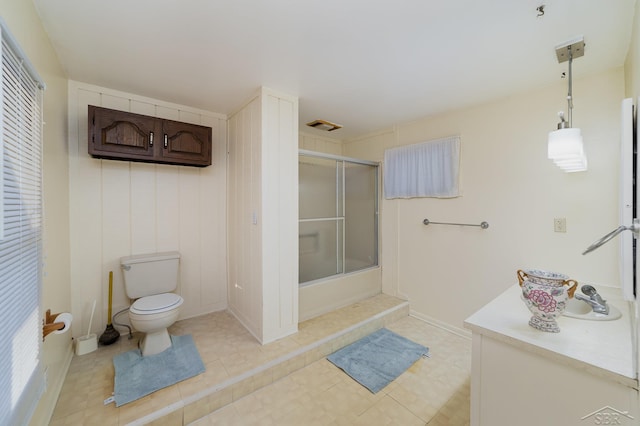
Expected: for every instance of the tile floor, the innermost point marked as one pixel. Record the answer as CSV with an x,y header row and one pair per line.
x,y
285,382
434,391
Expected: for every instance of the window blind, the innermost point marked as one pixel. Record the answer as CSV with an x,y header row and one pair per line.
x,y
427,169
21,375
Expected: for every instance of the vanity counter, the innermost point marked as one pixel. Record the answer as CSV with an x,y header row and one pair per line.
x,y
604,348
582,375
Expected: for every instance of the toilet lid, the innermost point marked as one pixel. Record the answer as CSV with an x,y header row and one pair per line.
x,y
156,303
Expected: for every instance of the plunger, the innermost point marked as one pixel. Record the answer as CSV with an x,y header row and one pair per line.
x,y
110,335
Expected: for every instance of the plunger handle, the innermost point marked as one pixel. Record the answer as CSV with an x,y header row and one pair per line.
x,y
110,296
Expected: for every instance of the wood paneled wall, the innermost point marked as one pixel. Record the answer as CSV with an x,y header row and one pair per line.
x,y
263,215
119,208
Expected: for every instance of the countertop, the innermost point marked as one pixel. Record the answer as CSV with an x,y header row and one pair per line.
x,y
603,348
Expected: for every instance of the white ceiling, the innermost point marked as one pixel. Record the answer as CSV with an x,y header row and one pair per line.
x,y
366,64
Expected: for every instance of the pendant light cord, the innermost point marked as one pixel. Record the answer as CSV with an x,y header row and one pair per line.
x,y
570,93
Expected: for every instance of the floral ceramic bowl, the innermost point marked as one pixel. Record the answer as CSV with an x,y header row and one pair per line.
x,y
546,295
541,277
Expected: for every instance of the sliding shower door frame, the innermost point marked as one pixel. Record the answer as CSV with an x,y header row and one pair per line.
x,y
340,213
337,157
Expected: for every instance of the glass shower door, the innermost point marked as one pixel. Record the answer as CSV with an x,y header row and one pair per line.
x,y
321,218
361,216
338,216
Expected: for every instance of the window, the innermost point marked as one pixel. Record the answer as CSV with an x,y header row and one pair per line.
x,y
428,169
21,377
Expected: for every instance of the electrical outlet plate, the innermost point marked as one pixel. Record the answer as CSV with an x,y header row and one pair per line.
x,y
560,224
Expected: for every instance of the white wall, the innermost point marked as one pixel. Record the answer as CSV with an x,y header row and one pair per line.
x,y
120,208
449,272
280,214
632,63
263,215
244,200
312,142
24,24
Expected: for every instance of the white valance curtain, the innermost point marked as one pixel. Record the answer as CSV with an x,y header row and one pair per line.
x,y
427,169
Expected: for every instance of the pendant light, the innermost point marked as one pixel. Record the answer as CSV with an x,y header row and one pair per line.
x,y
565,145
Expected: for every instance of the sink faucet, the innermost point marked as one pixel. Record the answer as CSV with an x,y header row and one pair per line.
x,y
597,303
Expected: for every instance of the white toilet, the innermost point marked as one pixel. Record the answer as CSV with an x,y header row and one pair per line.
x,y
149,279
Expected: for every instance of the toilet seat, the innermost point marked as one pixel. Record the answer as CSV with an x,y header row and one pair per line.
x,y
156,304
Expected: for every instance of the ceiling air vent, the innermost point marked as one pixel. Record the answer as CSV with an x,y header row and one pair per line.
x,y
324,125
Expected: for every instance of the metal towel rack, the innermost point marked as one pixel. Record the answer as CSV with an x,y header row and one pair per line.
x,y
483,225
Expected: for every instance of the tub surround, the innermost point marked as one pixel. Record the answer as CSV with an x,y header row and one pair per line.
x,y
515,365
334,293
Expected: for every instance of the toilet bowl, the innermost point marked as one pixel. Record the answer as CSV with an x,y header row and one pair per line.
x,y
150,280
152,315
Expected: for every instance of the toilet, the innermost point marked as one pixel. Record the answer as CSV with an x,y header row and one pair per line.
x,y
149,280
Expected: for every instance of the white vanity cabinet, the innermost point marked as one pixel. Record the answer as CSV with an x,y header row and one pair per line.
x,y
581,376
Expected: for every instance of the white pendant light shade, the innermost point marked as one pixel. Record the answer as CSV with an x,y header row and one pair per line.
x,y
565,144
578,164
566,150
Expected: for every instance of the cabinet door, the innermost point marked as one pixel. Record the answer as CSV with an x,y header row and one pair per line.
x,y
185,143
512,385
122,135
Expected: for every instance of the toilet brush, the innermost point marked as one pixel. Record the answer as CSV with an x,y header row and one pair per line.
x,y
110,334
88,343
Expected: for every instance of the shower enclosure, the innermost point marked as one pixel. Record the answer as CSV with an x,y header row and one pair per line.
x,y
338,224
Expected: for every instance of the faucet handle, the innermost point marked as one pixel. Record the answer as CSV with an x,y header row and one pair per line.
x,y
589,290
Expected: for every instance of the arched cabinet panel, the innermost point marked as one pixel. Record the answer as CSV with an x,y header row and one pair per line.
x,y
120,135
186,142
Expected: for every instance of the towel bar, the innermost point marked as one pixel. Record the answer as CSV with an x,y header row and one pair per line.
x,y
483,225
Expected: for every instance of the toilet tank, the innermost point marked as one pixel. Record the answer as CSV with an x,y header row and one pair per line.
x,y
149,274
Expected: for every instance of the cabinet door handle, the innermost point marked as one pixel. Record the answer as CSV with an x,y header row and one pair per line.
x,y
150,138
166,141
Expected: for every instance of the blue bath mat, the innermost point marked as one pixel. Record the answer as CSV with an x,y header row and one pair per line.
x,y
377,359
138,376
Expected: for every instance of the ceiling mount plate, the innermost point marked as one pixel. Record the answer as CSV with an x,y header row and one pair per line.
x,y
576,46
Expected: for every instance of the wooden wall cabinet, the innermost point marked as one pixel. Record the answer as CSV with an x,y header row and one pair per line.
x,y
120,135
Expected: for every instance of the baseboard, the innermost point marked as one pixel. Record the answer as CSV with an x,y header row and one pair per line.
x,y
440,324
245,322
